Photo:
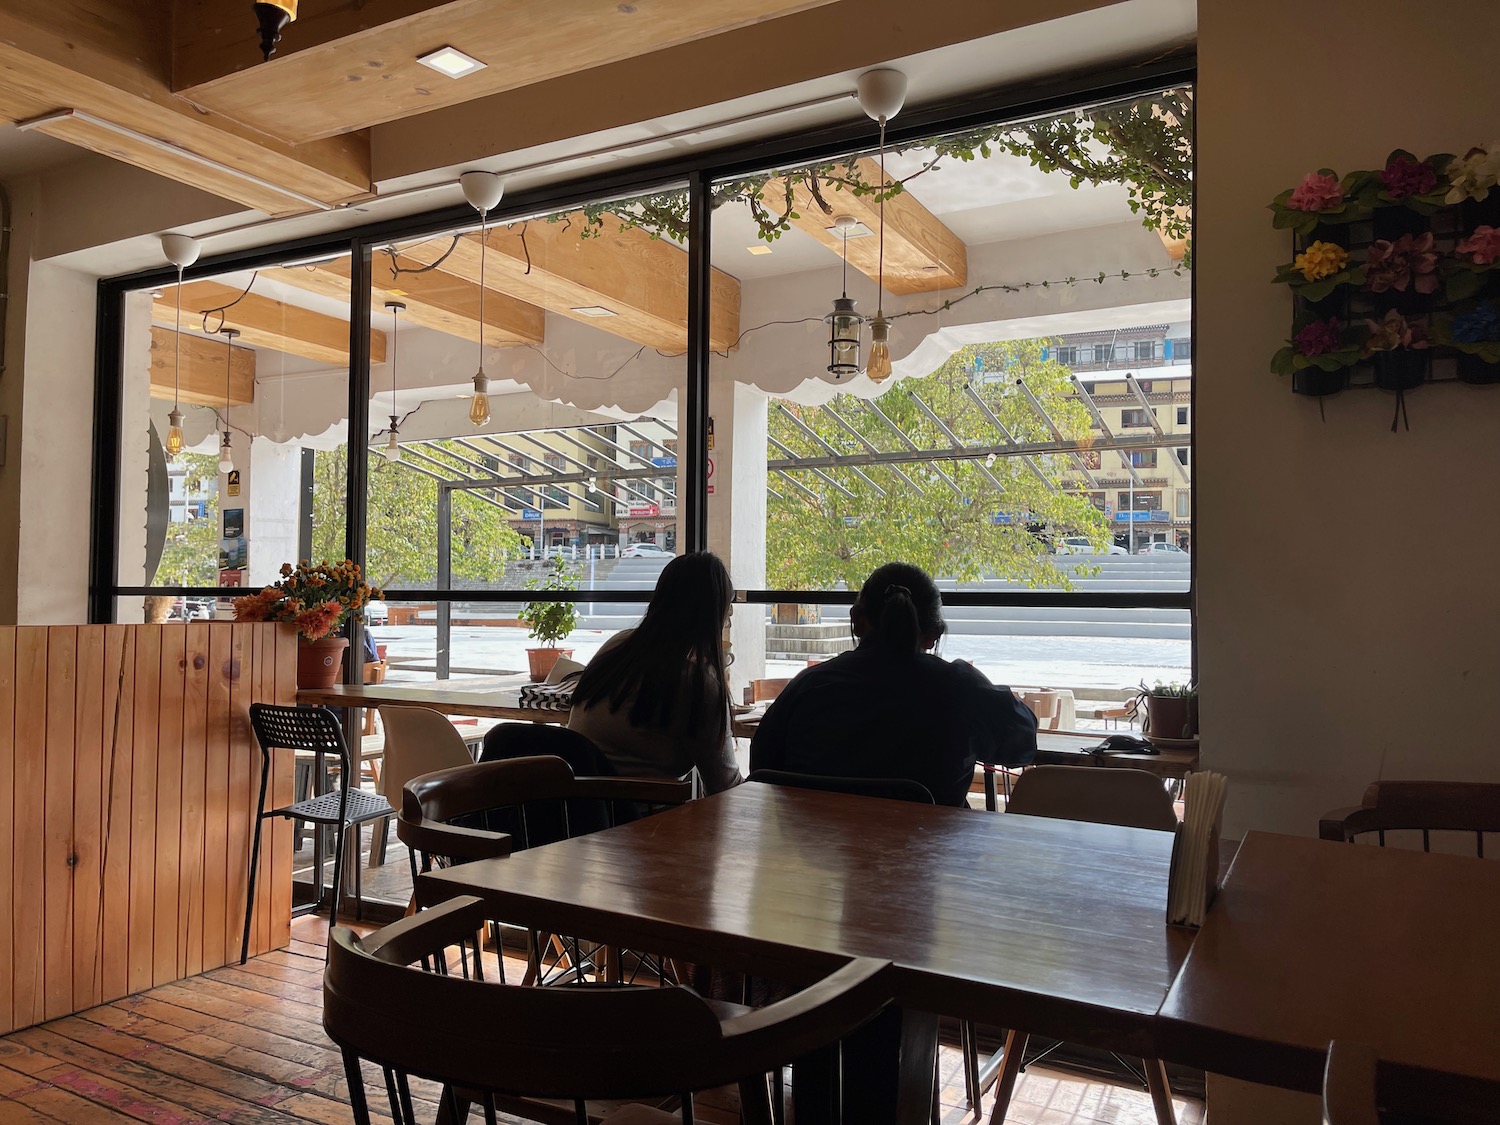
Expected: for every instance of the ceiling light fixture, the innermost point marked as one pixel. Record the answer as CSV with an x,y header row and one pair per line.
x,y
226,455
882,93
182,252
483,190
843,322
271,18
393,441
450,61
758,249
594,310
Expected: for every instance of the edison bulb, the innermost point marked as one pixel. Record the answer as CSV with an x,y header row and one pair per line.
x,y
393,447
479,405
174,433
879,369
226,456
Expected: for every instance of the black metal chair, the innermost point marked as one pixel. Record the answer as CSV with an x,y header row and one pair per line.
x,y
317,731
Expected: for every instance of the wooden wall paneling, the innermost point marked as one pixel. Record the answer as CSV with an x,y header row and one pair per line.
x,y
192,687
88,818
143,811
119,728
239,805
27,826
62,675
280,873
7,797
216,794
171,851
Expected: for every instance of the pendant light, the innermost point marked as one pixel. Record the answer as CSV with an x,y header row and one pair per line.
x,y
182,252
392,441
483,190
270,18
843,322
882,94
226,455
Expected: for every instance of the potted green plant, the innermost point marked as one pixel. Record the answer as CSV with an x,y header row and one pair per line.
x,y
1171,710
549,620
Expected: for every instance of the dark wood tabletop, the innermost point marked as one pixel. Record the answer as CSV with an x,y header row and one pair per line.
x,y
1053,925
1312,940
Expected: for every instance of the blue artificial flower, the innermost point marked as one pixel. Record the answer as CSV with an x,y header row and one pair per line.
x,y
1480,325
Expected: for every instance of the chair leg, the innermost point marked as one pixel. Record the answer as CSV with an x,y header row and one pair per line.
x,y
378,842
250,894
338,874
968,1035
1161,1092
1010,1070
359,898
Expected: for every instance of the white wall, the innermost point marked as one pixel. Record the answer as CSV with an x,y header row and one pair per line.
x,y
1342,638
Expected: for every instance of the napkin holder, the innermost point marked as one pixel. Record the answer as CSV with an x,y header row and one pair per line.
x,y
1210,872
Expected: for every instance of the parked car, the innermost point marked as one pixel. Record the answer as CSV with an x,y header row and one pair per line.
x,y
377,613
1160,549
1078,545
192,609
645,551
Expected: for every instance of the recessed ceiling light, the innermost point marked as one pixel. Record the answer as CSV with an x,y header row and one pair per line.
x,y
450,61
759,248
595,310
853,230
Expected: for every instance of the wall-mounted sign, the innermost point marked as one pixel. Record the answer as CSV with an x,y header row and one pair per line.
x,y
530,514
664,462
710,433
234,482
644,511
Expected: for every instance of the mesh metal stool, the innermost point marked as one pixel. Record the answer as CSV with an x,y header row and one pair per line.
x,y
317,730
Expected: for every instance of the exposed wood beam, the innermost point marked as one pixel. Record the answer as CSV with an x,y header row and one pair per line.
x,y
433,299
640,279
264,323
921,254
202,382
95,73
351,65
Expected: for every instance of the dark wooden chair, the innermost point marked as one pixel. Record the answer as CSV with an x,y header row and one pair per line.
x,y
501,1046
1469,807
1131,798
891,788
313,730
1359,1090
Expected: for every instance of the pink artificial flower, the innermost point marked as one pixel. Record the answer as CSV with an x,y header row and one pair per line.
x,y
1316,192
1320,336
1483,246
1410,261
1406,176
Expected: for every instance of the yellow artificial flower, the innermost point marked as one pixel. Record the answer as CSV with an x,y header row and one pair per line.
x,y
1320,260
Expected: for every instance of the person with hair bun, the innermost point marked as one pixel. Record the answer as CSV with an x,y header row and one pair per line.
x,y
892,709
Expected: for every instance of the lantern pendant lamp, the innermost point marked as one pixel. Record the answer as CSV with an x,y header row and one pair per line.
x,y
226,455
182,252
393,440
843,322
483,190
881,94
270,18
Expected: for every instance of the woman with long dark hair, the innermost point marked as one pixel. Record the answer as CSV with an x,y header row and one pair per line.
x,y
655,699
890,708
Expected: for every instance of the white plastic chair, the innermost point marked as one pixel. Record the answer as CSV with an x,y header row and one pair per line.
x,y
418,740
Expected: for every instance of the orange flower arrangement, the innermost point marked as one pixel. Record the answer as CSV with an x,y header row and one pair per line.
x,y
316,599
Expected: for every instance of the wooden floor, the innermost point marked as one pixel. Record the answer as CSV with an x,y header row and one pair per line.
x,y
246,1045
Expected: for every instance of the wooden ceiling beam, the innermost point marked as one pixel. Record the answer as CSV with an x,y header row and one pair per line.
x,y
264,323
353,65
433,300
641,281
95,73
921,254
202,382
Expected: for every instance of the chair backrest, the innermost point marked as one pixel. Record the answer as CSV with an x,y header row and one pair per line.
x,y
1045,705
1101,795
1359,1089
766,689
418,740
497,1040
1425,806
528,740
493,808
313,729
1349,1085
892,788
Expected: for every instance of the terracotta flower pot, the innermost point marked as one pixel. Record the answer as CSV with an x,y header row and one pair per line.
x,y
543,660
320,663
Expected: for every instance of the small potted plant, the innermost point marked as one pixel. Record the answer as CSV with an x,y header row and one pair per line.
x,y
1320,199
1398,348
1474,260
317,600
1406,192
1318,357
549,620
1475,334
1171,710
1473,178
1317,272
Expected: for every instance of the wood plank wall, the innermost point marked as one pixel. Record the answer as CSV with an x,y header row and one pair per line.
x,y
130,776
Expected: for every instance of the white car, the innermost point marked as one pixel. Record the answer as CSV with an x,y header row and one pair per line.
x,y
1078,545
1160,549
377,613
645,551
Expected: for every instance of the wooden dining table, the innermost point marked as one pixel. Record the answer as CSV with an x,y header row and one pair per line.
x,y
1057,926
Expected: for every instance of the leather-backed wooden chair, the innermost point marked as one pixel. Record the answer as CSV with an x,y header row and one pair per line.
x,y
1131,798
1469,807
503,1046
891,788
1358,1089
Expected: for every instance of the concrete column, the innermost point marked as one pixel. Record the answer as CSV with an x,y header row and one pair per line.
x,y
272,509
737,515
